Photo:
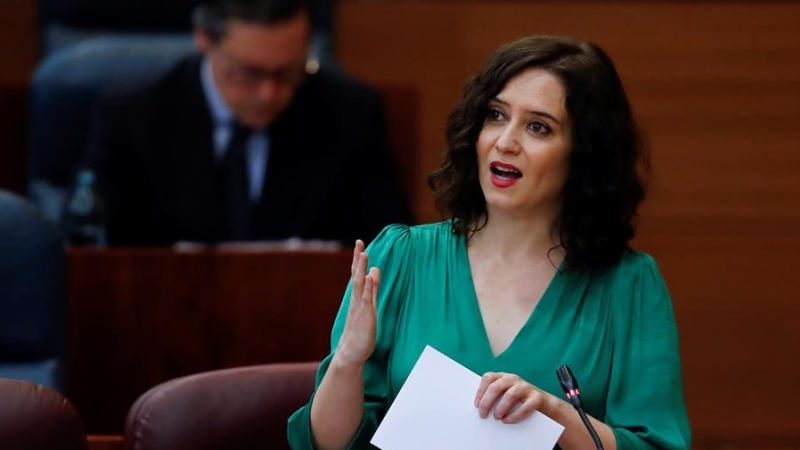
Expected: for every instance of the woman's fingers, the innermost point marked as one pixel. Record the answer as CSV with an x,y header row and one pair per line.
x,y
358,337
512,398
375,276
366,295
492,386
524,409
360,274
487,379
357,250
353,264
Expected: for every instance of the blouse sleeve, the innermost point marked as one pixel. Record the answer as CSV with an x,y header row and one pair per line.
x,y
645,406
388,252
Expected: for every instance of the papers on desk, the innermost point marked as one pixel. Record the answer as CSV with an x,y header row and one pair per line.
x,y
435,410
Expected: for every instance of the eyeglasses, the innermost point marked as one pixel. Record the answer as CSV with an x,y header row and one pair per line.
x,y
251,76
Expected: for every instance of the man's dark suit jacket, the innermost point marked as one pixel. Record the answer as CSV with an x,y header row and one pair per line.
x,y
329,176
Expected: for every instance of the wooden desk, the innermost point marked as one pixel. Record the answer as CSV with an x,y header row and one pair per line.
x,y
105,442
141,317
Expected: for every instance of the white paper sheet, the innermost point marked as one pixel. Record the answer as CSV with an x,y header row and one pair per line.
x,y
435,410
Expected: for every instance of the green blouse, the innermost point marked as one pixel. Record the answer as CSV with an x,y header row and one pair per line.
x,y
615,329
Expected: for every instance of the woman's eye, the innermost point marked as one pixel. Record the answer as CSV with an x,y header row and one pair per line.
x,y
539,128
494,114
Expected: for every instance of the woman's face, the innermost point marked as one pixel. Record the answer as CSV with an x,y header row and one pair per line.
x,y
524,144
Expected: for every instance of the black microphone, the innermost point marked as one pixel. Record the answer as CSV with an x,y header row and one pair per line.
x,y
570,386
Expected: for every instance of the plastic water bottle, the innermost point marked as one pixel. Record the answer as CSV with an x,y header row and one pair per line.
x,y
85,217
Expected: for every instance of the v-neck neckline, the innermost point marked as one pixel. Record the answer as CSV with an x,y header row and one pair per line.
x,y
547,297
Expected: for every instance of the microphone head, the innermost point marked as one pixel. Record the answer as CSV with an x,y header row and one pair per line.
x,y
567,379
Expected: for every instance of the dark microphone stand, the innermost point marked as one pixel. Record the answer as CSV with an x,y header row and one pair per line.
x,y
570,386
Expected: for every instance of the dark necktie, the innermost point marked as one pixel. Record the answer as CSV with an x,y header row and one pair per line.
x,y
236,186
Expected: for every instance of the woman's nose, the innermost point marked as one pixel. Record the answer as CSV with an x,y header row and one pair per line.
x,y
508,141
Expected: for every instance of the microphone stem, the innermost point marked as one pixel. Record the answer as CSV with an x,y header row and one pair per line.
x,y
591,429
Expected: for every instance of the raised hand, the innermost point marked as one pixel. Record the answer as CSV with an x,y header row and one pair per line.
x,y
358,338
515,398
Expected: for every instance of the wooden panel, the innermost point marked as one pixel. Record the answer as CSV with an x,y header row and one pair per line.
x,y
736,305
19,41
402,114
19,51
276,307
137,318
142,317
105,442
716,85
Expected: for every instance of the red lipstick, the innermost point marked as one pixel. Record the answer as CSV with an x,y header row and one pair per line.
x,y
504,175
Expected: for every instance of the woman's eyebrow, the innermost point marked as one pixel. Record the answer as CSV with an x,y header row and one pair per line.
x,y
534,112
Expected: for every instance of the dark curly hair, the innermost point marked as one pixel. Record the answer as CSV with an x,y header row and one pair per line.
x,y
604,186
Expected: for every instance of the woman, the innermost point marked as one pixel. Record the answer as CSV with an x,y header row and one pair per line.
x,y
532,270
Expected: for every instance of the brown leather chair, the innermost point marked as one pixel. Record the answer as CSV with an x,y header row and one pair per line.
x,y
230,409
34,417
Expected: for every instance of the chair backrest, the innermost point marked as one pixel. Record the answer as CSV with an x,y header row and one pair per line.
x,y
68,22
32,294
33,417
240,408
65,88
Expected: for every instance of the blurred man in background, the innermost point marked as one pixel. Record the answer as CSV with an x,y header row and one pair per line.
x,y
245,141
